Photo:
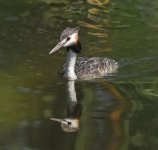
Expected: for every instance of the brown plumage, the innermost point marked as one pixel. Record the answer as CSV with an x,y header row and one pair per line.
x,y
83,67
94,67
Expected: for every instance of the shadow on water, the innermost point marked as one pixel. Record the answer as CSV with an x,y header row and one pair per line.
x,y
118,112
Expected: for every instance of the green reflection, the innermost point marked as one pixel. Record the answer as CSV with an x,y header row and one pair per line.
x,y
120,113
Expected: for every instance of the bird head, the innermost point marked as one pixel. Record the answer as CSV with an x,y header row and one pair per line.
x,y
68,38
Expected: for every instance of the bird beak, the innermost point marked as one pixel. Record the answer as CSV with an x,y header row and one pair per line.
x,y
58,46
63,42
58,120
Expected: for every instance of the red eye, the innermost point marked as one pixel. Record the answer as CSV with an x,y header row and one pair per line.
x,y
68,38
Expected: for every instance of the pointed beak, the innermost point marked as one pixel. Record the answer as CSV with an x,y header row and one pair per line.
x,y
58,120
63,42
58,46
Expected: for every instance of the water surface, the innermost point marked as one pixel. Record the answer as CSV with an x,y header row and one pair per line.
x,y
117,112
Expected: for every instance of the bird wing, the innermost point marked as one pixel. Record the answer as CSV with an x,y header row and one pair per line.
x,y
93,67
96,65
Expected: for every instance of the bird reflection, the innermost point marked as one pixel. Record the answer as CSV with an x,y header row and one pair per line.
x,y
74,110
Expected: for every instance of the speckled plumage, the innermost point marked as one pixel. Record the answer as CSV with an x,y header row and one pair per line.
x,y
83,68
94,67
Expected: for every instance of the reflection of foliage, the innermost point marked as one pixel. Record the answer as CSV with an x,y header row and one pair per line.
x,y
152,90
30,27
144,89
98,2
143,111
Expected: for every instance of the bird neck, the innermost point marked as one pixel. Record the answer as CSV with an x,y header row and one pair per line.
x,y
72,99
70,65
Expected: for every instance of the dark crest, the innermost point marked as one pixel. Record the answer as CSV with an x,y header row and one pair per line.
x,y
67,32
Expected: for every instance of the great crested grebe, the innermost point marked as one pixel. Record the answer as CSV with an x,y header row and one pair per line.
x,y
84,67
71,122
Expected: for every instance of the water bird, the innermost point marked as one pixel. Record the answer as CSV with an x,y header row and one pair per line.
x,y
68,124
71,122
83,68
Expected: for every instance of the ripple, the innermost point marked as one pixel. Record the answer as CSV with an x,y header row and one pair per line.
x,y
99,35
92,26
11,18
98,2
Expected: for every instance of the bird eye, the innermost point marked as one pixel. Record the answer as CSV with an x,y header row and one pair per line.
x,y
69,123
68,39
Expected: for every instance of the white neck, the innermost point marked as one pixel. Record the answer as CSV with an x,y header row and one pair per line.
x,y
71,97
70,65
72,93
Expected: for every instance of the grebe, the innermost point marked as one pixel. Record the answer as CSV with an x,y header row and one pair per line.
x,y
83,68
71,122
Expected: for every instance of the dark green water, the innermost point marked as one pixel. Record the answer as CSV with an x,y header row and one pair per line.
x,y
118,112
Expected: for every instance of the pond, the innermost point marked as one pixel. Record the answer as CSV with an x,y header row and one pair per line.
x,y
117,112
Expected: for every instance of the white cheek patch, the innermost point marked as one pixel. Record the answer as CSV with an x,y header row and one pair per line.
x,y
73,39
